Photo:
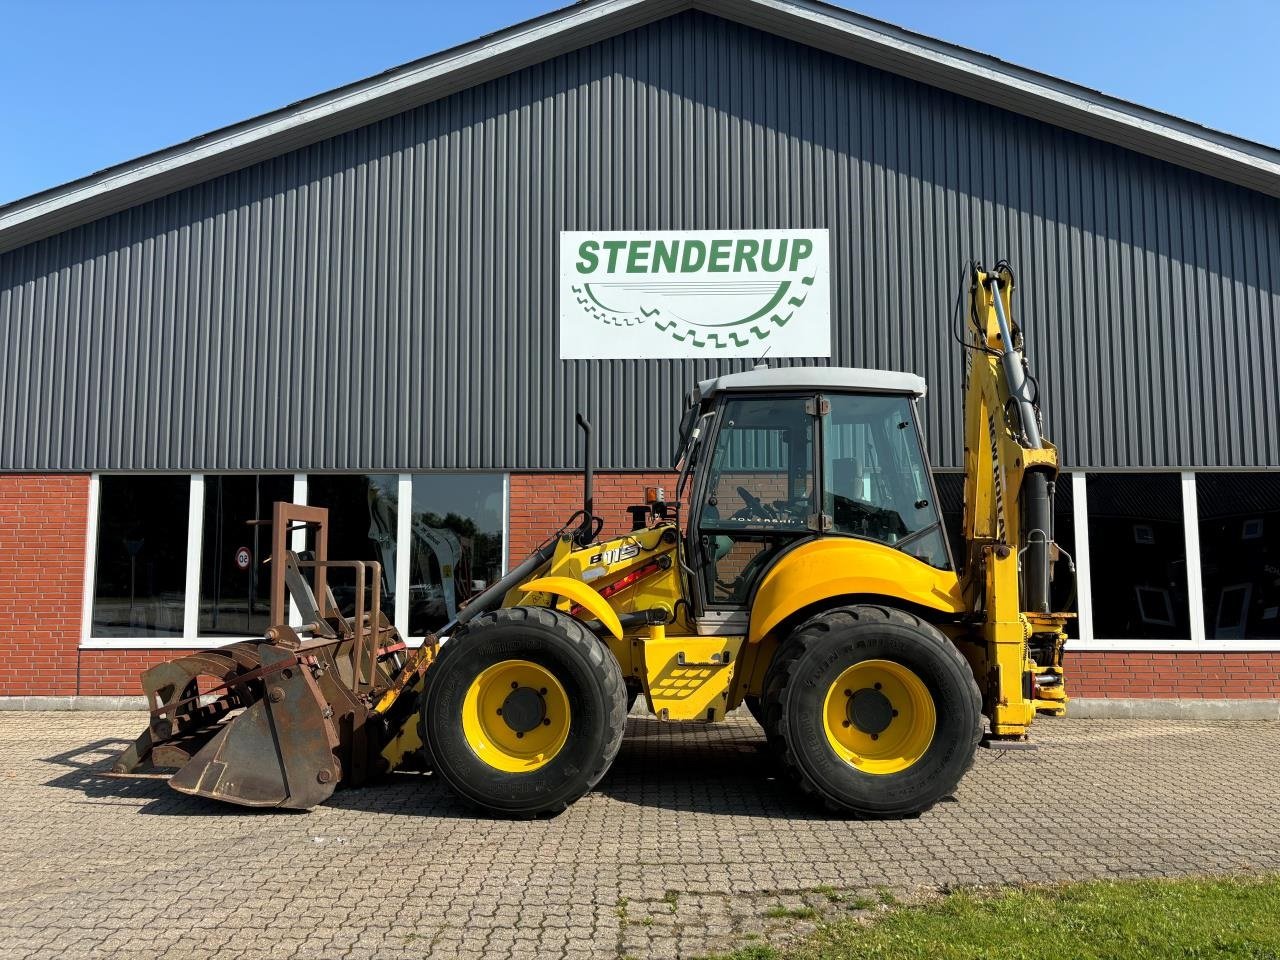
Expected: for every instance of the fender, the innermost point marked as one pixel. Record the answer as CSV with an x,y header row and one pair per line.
x,y
580,593
840,566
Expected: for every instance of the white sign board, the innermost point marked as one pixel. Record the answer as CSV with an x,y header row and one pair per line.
x,y
694,293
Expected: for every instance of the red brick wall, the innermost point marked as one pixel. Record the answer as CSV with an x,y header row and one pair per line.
x,y
541,502
43,522
42,544
1179,676
112,673
42,548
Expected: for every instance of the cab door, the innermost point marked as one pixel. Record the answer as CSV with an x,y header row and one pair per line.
x,y
757,496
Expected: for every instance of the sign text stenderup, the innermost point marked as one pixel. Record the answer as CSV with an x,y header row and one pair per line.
x,y
698,293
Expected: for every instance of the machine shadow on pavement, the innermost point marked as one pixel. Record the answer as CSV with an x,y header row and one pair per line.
x,y
720,771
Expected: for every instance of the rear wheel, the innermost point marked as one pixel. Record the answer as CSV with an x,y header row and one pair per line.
x,y
873,710
523,712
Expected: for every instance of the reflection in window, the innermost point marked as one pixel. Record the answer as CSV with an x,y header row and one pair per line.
x,y
362,526
950,488
455,546
235,579
875,481
1062,588
1138,557
140,578
1239,516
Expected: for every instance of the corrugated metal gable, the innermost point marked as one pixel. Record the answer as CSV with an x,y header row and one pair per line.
x,y
385,299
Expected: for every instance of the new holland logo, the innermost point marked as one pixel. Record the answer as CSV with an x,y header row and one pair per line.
x,y
694,294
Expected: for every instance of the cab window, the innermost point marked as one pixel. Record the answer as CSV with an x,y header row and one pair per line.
x,y
875,483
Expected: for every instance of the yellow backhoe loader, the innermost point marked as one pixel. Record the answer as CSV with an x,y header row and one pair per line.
x,y
801,568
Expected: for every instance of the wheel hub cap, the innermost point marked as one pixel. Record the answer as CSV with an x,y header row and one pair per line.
x,y
524,709
870,711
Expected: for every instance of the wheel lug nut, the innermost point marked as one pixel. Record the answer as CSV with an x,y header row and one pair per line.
x,y
895,713
499,711
519,735
543,691
514,685
848,693
546,721
877,686
875,736
844,723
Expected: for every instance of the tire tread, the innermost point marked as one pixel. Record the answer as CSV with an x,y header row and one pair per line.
x,y
596,654
782,674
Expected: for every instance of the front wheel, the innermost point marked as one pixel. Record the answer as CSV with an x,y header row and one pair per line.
x,y
873,710
523,712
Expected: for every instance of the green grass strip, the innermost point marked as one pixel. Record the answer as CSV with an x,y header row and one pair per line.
x,y
1192,919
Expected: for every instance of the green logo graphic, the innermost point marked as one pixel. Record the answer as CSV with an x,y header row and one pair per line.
x,y
709,294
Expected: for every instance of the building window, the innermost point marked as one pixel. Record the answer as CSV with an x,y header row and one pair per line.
x,y
140,573
1063,588
1138,557
235,579
362,526
455,547
1239,517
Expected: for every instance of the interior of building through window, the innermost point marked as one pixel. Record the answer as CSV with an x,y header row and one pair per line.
x,y
1138,557
1239,516
235,575
140,574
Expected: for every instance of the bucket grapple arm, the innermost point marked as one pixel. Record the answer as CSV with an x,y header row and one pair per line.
x,y
279,722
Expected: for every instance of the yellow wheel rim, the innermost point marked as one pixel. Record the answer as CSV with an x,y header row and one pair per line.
x,y
515,716
879,716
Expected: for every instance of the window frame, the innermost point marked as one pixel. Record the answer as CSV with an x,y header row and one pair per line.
x,y
191,638
1087,641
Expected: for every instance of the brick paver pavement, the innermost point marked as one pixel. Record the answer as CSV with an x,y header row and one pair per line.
x,y
689,846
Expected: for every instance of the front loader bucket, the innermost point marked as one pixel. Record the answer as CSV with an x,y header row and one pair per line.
x,y
282,721
277,753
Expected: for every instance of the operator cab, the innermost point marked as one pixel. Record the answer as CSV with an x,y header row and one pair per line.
x,y
780,456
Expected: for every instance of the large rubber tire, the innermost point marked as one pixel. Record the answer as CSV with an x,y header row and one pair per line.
x,y
805,669
590,678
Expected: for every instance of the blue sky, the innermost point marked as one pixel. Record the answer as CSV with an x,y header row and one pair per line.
x,y
88,83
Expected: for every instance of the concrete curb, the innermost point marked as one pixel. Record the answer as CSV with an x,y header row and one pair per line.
x,y
1121,708
73,703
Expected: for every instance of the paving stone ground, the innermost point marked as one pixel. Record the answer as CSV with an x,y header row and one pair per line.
x,y
689,846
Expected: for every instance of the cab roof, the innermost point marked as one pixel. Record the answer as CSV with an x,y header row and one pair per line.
x,y
817,379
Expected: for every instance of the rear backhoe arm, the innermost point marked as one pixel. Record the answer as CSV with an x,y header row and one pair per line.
x,y
1010,472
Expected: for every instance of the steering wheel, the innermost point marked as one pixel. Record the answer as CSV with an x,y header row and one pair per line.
x,y
753,503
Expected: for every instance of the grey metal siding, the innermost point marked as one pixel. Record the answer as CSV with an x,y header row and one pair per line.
x,y
385,299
